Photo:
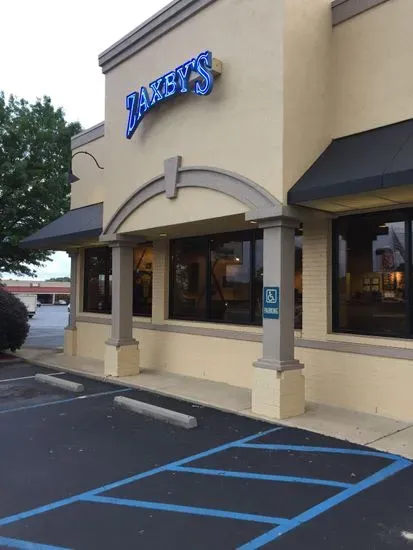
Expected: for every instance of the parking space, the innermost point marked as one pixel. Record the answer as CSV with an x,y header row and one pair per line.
x,y
80,474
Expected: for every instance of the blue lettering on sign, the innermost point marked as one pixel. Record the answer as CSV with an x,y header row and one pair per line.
x,y
174,83
271,302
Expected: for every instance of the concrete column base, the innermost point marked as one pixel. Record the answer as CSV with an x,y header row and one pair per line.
x,y
121,359
70,342
278,394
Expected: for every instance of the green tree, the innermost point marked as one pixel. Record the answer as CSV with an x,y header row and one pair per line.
x,y
34,160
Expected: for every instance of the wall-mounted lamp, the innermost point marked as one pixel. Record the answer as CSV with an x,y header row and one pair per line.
x,y
72,178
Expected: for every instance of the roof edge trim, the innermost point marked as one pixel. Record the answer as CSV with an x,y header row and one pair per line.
x,y
150,30
346,9
88,135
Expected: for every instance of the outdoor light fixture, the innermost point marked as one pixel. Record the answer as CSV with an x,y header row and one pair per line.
x,y
72,178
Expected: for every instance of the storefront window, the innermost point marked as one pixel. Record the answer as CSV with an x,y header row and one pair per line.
x,y
219,278
189,276
98,279
142,280
230,280
298,280
371,263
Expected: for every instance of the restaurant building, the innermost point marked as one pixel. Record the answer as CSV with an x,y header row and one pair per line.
x,y
244,213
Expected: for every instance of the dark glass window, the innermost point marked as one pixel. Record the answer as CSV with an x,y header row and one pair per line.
x,y
258,277
219,278
142,280
98,280
298,280
97,295
371,265
230,284
189,276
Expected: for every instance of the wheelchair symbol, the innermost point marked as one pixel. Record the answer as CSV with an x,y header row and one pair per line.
x,y
271,295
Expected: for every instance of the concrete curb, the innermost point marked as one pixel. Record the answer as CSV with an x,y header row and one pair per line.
x,y
156,391
59,383
158,413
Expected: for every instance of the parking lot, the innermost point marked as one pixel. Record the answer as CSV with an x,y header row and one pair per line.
x,y
47,326
79,473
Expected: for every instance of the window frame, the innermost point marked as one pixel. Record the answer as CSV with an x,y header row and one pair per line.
x,y
249,235
403,215
107,310
142,315
253,235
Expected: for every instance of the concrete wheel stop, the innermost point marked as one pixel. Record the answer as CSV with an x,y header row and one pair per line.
x,y
60,383
158,413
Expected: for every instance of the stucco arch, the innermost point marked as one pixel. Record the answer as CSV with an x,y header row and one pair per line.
x,y
252,195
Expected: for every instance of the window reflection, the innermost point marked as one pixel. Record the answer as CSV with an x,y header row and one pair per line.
x,y
189,260
371,275
230,280
258,280
298,280
97,280
142,280
220,278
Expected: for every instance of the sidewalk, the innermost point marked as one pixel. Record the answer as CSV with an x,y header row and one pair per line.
x,y
374,431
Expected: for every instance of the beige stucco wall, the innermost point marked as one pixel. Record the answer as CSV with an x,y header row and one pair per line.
x,y
371,70
89,188
91,339
238,127
368,384
217,359
307,86
191,205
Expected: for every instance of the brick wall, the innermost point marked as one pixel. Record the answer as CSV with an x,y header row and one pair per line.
x,y
160,295
316,279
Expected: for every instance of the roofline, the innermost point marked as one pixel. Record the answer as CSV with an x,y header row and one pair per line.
x,y
179,11
150,30
346,9
88,135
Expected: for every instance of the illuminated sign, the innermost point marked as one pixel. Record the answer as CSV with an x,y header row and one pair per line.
x,y
196,76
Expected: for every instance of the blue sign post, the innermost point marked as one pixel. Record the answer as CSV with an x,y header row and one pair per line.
x,y
271,302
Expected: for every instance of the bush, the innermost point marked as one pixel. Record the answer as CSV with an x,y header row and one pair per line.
x,y
14,325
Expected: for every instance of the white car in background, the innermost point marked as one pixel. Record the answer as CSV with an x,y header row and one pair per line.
x,y
68,308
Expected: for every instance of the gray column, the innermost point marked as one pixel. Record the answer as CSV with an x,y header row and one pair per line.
x,y
279,271
74,258
122,294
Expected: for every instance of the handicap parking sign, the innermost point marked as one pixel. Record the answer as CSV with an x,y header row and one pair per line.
x,y
271,302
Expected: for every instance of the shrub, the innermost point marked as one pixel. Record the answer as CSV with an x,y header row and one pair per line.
x,y
14,325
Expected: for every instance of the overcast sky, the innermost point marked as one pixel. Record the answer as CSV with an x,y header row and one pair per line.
x,y
48,47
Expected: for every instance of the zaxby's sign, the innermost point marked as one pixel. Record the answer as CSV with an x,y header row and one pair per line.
x,y
196,76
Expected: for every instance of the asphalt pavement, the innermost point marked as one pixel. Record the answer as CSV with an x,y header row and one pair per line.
x,y
47,327
78,473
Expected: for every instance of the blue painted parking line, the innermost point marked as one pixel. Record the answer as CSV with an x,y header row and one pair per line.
x,y
104,488
60,401
281,525
315,511
263,477
309,449
165,507
26,545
